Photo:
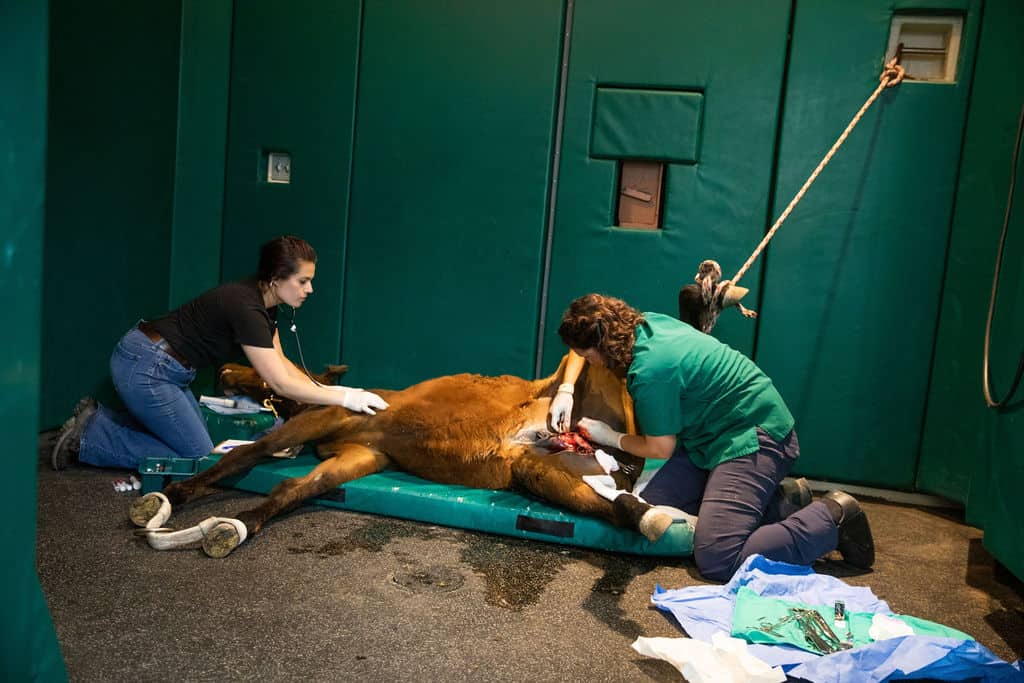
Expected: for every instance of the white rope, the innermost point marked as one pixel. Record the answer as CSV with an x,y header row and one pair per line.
x,y
891,75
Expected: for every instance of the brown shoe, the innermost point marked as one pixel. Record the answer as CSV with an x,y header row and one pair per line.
x,y
69,440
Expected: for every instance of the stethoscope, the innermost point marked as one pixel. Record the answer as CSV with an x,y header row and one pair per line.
x,y
298,344
295,330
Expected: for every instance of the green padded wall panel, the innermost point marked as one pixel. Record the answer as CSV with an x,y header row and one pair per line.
x,y
201,147
110,179
28,644
453,147
854,275
292,90
633,123
970,453
716,208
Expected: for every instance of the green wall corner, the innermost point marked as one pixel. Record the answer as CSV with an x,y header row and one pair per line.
x,y
969,452
28,642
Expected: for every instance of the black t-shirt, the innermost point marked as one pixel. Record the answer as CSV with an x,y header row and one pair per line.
x,y
210,329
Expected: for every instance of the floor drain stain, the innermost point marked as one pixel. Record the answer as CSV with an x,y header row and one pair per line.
x,y
433,579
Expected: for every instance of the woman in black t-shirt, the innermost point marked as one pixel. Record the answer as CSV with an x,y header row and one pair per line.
x,y
155,363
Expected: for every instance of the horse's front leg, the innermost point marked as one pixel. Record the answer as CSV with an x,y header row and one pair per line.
x,y
351,461
153,509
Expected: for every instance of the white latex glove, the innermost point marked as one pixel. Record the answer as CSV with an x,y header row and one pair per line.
x,y
599,432
560,413
360,400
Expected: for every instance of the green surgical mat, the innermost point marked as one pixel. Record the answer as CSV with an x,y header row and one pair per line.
x,y
399,494
754,613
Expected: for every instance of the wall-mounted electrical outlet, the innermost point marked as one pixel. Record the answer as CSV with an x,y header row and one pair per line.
x,y
279,167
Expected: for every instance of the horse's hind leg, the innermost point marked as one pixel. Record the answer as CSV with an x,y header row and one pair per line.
x,y
308,426
557,478
350,462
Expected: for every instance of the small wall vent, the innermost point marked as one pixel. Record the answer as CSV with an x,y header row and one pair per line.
x,y
928,46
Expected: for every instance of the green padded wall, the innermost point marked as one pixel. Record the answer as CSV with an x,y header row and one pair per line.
x,y
110,179
970,453
293,72
854,276
201,148
28,644
453,146
714,208
653,125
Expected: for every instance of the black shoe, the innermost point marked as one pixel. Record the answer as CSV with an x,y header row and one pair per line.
x,y
856,544
792,495
65,451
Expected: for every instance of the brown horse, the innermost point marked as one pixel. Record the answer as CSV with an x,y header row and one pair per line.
x,y
470,430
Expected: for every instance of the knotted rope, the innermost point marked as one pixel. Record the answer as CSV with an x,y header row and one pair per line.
x,y
892,75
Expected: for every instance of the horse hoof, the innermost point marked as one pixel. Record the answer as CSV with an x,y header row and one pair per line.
x,y
654,524
146,508
221,540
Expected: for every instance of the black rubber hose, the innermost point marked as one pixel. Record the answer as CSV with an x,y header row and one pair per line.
x,y
992,402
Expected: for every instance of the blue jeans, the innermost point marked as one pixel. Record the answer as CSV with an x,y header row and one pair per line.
x,y
737,511
164,418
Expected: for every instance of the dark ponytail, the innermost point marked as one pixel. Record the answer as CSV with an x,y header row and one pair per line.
x,y
279,258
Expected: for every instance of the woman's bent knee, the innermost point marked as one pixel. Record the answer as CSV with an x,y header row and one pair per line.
x,y
200,447
713,563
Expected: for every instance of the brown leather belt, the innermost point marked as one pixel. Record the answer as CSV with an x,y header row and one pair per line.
x,y
154,336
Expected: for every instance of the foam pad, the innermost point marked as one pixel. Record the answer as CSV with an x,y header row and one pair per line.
x,y
398,494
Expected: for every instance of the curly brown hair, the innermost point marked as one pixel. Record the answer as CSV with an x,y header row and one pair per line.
x,y
604,323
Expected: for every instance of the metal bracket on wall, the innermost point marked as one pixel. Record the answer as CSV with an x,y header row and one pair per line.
x,y
926,46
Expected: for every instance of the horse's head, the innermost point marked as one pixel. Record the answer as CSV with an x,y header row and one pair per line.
x,y
241,380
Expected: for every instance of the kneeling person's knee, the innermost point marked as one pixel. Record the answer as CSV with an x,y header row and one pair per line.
x,y
713,562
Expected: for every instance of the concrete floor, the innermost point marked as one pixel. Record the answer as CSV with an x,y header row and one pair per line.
x,y
328,595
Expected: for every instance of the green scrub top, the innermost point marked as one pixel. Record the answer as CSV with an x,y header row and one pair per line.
x,y
711,396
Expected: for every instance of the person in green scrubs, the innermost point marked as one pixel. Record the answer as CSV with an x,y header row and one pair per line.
x,y
726,433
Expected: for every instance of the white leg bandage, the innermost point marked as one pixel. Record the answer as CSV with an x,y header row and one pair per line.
x,y
164,540
163,514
